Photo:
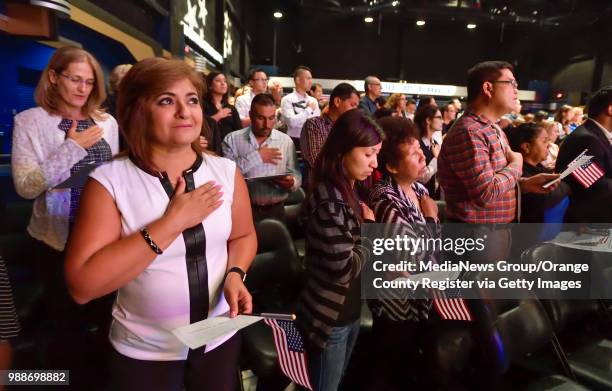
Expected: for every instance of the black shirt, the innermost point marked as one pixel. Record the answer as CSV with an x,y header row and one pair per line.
x,y
533,205
227,124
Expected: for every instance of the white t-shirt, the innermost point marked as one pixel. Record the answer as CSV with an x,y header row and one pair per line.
x,y
295,111
149,307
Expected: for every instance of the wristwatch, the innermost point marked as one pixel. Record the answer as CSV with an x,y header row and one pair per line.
x,y
238,270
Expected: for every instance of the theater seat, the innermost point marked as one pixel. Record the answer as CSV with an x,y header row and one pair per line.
x,y
293,208
274,280
583,326
509,344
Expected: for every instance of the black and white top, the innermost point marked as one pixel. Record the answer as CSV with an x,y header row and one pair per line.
x,y
335,256
184,284
391,206
9,323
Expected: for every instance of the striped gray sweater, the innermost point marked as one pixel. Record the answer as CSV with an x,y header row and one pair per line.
x,y
335,255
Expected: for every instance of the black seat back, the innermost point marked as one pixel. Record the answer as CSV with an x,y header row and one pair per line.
x,y
274,276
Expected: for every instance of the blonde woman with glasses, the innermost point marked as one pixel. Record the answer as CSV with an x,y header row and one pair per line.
x,y
63,137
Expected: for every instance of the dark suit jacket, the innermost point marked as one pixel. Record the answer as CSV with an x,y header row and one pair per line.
x,y
595,203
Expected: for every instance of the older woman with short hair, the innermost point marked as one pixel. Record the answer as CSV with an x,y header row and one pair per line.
x,y
404,205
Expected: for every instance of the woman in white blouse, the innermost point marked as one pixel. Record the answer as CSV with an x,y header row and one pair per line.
x,y
63,136
171,229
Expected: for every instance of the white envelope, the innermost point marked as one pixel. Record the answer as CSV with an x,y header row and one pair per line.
x,y
202,332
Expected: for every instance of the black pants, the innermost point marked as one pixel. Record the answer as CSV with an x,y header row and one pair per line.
x,y
216,370
400,343
74,336
276,211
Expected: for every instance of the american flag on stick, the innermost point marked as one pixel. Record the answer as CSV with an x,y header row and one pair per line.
x,y
450,308
290,349
588,173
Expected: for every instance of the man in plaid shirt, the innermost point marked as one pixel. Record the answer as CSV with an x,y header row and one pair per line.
x,y
344,97
478,171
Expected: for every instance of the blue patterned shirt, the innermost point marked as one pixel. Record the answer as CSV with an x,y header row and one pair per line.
x,y
242,147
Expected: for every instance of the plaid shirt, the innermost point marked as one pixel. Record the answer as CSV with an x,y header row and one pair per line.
x,y
314,134
479,185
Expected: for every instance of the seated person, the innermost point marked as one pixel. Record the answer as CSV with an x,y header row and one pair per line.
x,y
260,150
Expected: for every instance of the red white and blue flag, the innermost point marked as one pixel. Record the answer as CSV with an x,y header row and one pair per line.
x,y
290,349
450,308
588,173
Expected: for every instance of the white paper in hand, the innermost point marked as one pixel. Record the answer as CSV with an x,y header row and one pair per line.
x,y
202,332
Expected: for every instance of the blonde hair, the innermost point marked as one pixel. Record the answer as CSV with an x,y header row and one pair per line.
x,y
115,77
393,101
143,82
47,96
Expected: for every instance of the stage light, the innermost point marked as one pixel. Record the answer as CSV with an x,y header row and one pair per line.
x,y
278,14
368,19
420,23
471,26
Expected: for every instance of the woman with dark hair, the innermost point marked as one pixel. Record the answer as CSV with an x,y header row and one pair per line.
x,y
426,100
533,142
170,228
216,106
329,308
404,205
428,120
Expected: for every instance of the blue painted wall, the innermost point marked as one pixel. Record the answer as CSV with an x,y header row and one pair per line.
x,y
21,60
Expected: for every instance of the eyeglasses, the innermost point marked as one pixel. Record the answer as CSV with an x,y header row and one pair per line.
x,y
76,80
260,80
513,83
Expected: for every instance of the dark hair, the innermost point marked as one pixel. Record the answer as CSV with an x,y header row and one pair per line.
x,y
263,99
483,72
540,116
524,133
420,116
381,100
300,69
425,101
352,129
343,91
410,101
398,131
255,71
382,113
562,111
600,101
314,86
209,80
447,106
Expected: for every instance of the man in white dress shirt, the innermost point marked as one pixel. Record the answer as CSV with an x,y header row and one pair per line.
x,y
298,106
258,81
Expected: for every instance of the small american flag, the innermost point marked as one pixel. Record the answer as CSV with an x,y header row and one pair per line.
x,y
450,308
290,349
588,173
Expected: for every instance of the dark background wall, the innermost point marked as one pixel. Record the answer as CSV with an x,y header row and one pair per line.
x,y
574,57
